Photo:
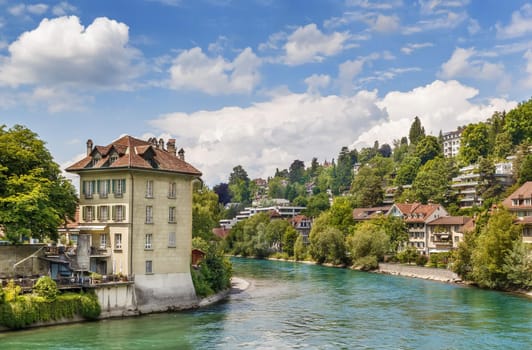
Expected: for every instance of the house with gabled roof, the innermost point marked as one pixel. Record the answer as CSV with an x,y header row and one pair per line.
x,y
445,233
136,218
416,216
520,204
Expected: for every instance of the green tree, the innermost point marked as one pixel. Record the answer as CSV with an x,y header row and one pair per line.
x,y
474,143
367,188
296,172
407,171
239,185
518,265
317,204
341,215
327,243
519,123
206,213
417,131
525,170
47,288
34,198
488,184
463,256
276,187
300,249
368,239
344,170
290,237
494,243
433,181
395,228
428,148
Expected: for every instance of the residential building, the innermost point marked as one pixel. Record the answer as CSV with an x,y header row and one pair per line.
x,y
362,214
465,185
136,218
446,232
451,143
520,204
416,217
391,191
303,225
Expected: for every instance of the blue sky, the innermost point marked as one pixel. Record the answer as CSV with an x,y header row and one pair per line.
x,y
258,83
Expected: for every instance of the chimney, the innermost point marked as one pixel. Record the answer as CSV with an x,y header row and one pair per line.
x,y
161,144
89,147
170,146
181,154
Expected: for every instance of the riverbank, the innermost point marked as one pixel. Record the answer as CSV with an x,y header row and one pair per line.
x,y
428,273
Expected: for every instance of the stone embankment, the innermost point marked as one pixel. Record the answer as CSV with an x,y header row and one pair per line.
x,y
428,273
237,285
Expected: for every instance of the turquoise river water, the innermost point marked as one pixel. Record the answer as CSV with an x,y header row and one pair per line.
x,y
299,306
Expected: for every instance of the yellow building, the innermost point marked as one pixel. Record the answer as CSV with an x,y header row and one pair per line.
x,y
136,218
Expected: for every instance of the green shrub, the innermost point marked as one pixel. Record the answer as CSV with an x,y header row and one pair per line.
x,y
367,263
46,288
201,284
421,260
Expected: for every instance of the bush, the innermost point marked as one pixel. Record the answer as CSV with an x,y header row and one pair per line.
x,y
46,288
367,263
439,259
407,255
29,309
421,260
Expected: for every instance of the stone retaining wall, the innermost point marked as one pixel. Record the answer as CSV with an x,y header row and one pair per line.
x,y
429,273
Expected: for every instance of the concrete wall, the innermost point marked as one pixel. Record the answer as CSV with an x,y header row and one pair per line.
x,y
165,292
117,299
11,254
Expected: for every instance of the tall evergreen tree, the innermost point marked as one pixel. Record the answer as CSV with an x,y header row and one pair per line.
x,y
417,131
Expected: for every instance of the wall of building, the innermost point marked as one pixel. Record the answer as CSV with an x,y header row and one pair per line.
x,y
11,254
117,299
165,292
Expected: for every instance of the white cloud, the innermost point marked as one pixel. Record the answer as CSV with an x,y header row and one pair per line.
x,y
461,64
315,82
473,27
309,44
379,5
442,20
439,105
193,70
271,134
411,47
61,51
57,100
521,23
385,24
63,9
21,9
347,71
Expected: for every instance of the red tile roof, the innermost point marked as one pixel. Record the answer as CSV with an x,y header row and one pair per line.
x,y
133,153
368,213
416,212
523,192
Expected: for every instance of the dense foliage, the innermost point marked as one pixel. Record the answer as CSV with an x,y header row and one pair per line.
x,y
46,304
34,198
214,272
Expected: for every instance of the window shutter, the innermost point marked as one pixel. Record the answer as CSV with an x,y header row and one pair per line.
x,y
123,212
114,212
98,210
113,186
83,187
93,186
84,213
123,185
97,186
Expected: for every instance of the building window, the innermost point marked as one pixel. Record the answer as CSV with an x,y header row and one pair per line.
x,y
147,241
118,241
119,213
171,215
149,189
103,241
103,213
113,158
172,190
149,266
103,188
88,213
119,187
171,240
149,214
88,188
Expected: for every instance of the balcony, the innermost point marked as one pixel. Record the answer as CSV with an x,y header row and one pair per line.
x,y
98,252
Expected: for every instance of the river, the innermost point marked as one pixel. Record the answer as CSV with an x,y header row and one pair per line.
x,y
300,306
